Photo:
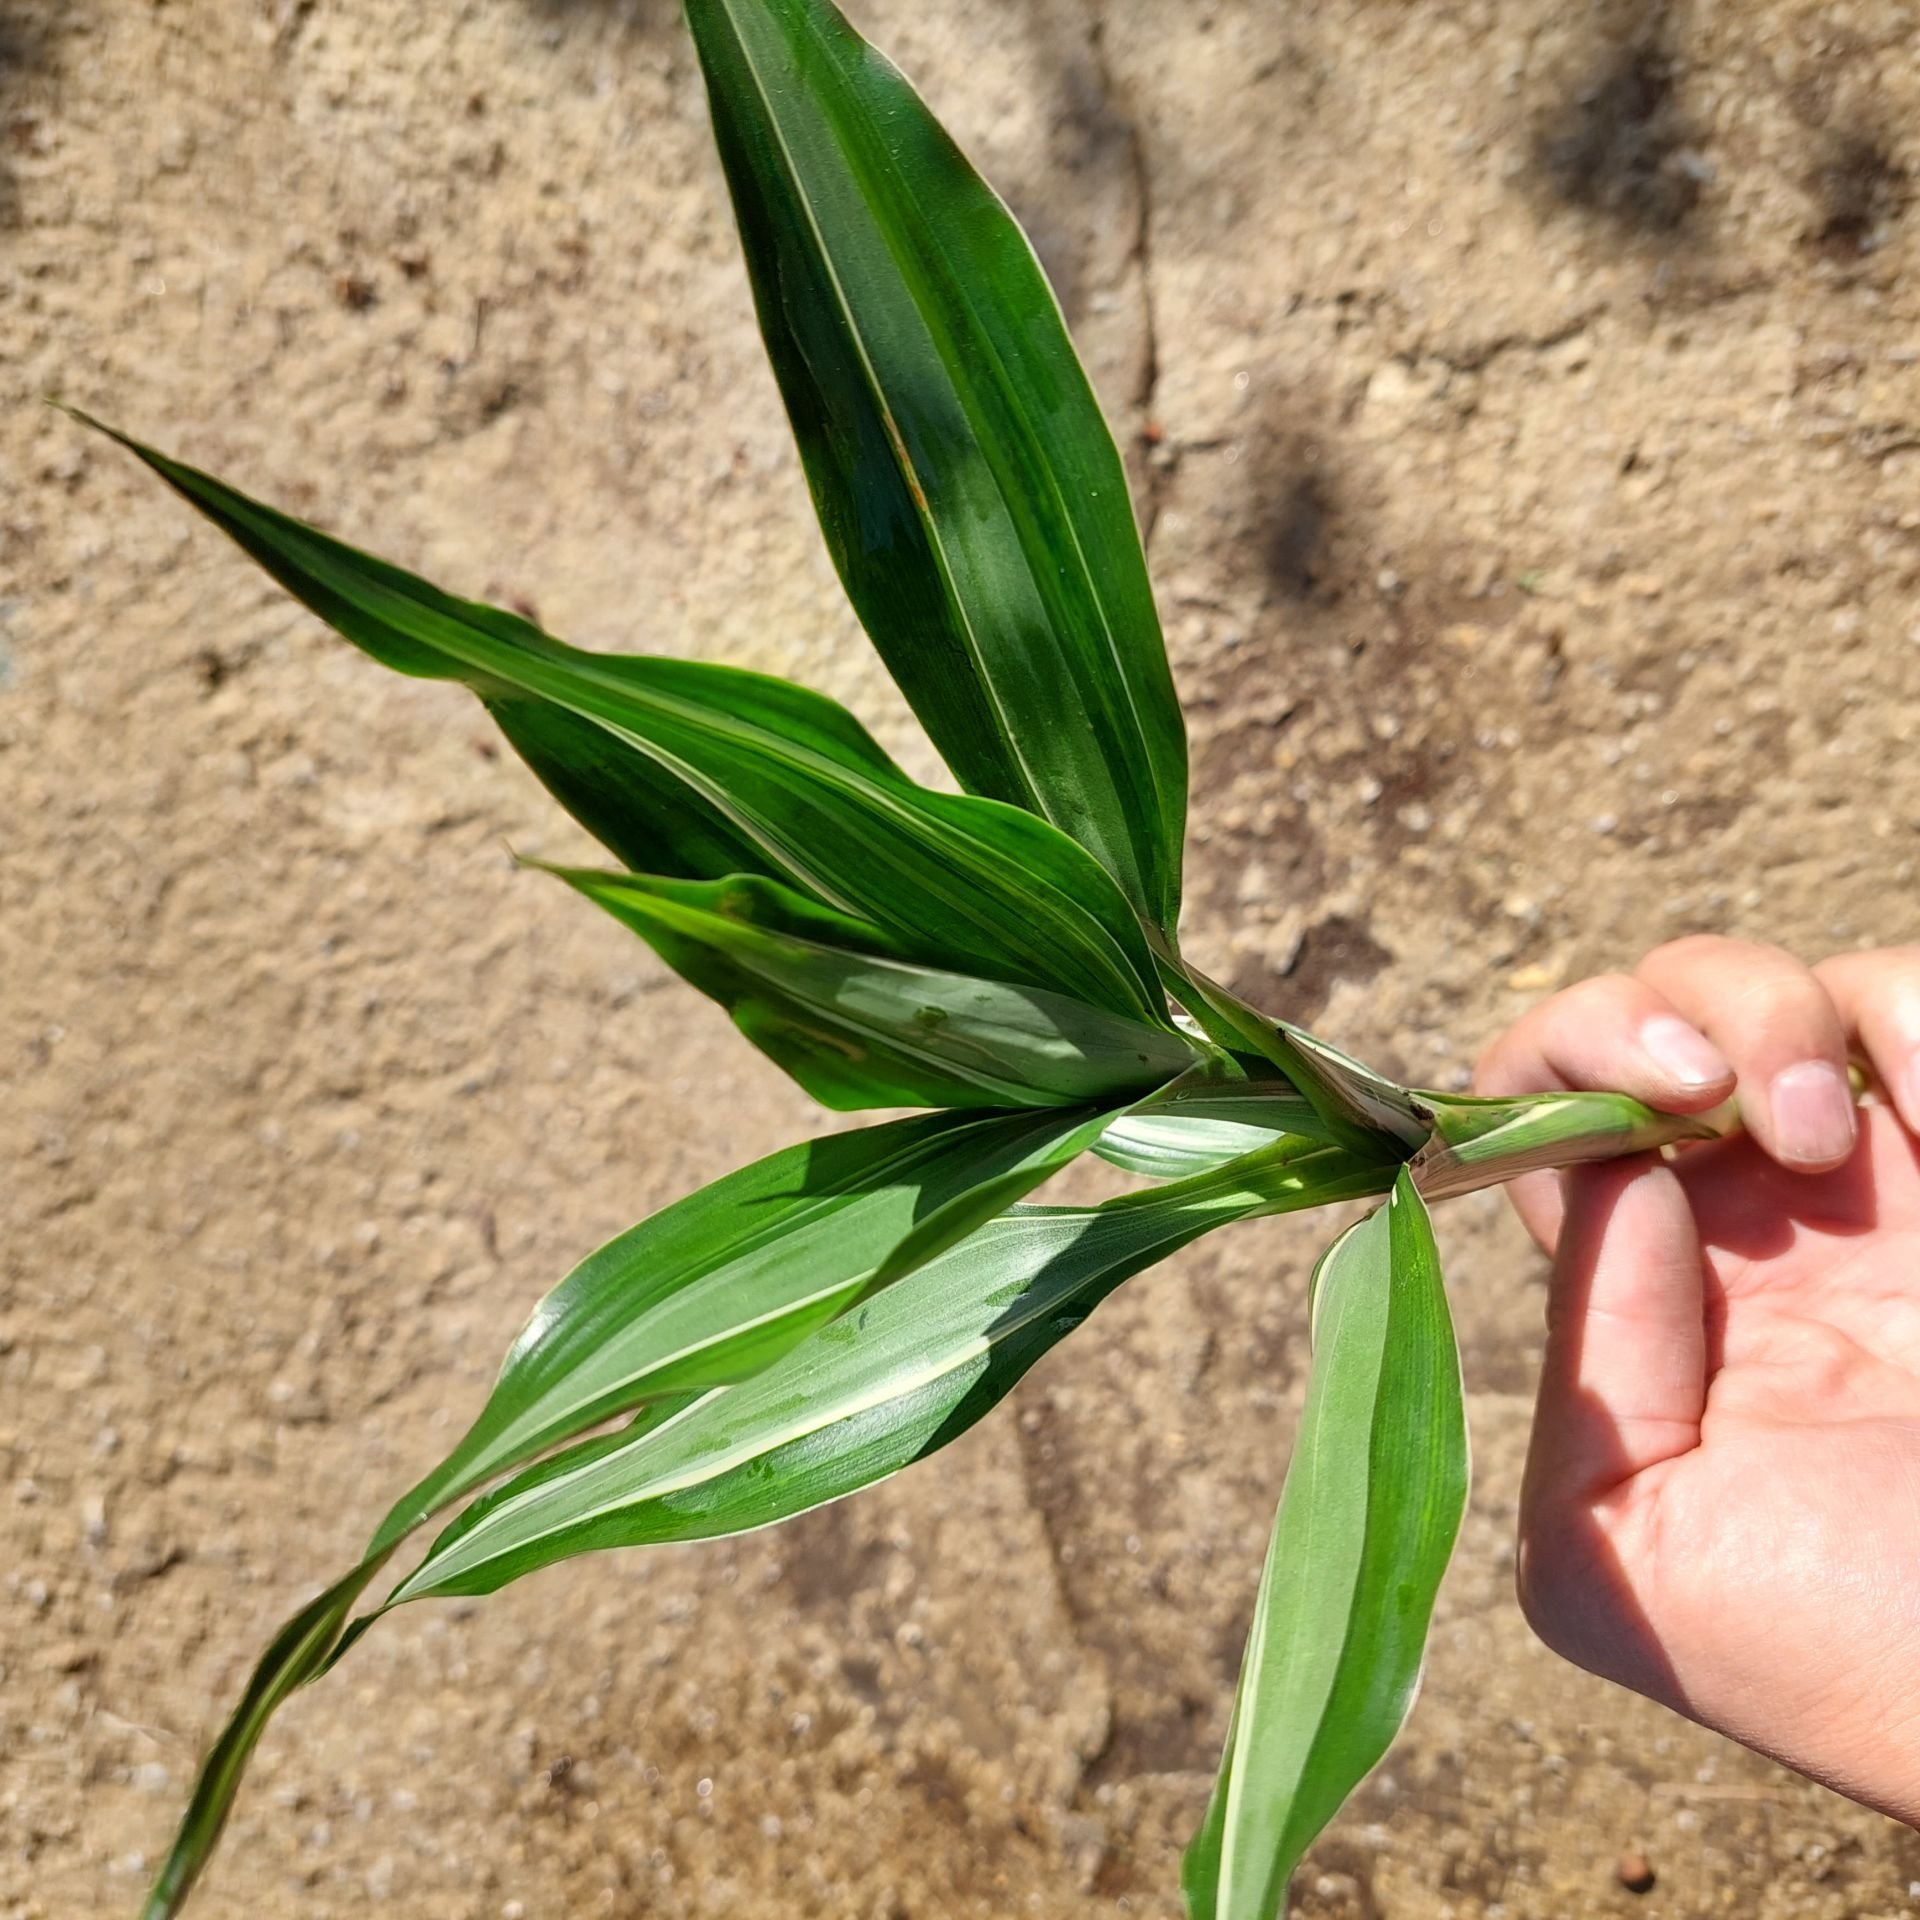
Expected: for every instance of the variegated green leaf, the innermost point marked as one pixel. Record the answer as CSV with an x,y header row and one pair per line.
x,y
884,1385
1182,1132
969,490
950,880
705,1294
1373,1500
813,990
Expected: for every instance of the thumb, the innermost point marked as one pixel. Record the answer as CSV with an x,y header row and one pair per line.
x,y
1623,1382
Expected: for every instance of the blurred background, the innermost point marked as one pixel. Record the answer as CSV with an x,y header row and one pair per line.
x,y
1524,404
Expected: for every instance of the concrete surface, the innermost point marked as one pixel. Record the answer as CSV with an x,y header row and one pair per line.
x,y
1525,403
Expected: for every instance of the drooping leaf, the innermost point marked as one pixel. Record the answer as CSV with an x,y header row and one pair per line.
x,y
812,989
705,1293
950,880
969,490
1367,1521
718,1286
914,1366
297,1653
879,1388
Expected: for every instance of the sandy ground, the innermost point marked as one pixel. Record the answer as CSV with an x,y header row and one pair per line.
x,y
1526,407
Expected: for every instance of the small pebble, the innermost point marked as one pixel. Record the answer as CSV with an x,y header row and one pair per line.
x,y
1635,1872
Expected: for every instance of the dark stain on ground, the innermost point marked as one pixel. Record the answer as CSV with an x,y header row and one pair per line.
x,y
826,1564
944,1792
1619,143
30,59
1091,168
1090,150
1860,188
1300,518
640,15
1334,949
1173,1741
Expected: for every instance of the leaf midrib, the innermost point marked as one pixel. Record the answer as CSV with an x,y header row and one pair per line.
x,y
815,1420
916,490
529,669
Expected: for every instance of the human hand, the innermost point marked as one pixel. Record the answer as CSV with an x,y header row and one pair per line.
x,y
1721,1507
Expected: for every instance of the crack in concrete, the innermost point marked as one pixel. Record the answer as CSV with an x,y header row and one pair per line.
x,y
1028,1427
1154,475
1474,359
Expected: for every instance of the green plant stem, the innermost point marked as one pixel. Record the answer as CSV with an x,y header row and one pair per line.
x,y
1483,1143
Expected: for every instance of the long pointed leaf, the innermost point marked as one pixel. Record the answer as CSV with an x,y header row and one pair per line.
x,y
298,1652
718,1286
969,490
880,1388
809,989
951,880
707,1293
1373,1501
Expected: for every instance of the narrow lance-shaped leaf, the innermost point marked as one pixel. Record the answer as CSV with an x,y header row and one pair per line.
x,y
949,879
969,490
713,1289
812,990
880,1388
706,1293
1373,1499
299,1651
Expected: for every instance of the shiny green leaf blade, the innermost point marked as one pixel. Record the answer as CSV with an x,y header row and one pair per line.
x,y
951,880
879,1388
707,1293
718,1286
649,818
298,1651
1373,1500
970,493
913,1369
811,990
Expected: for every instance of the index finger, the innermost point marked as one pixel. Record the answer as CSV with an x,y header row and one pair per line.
x,y
1779,1027
1613,1034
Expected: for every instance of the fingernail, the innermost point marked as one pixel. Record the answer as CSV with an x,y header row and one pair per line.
x,y
1684,1053
1812,1108
1910,1106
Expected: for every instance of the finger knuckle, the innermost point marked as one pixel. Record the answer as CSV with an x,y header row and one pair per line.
x,y
1777,999
1608,990
1688,951
1867,972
